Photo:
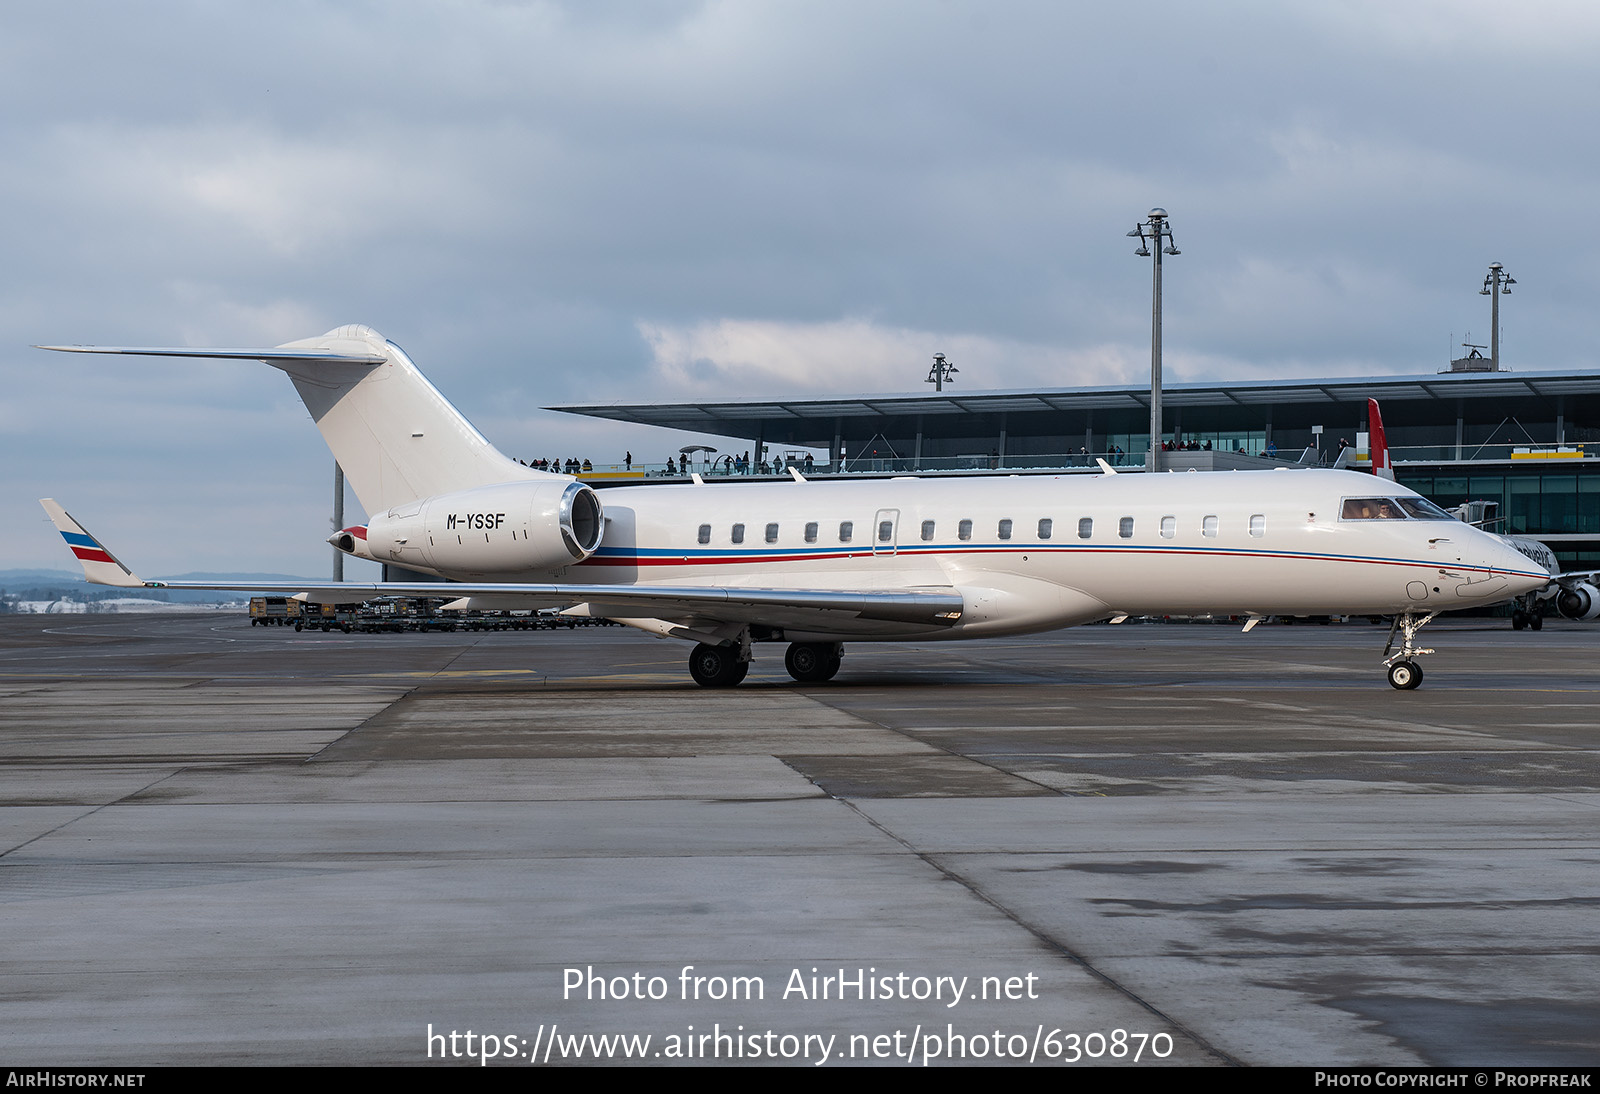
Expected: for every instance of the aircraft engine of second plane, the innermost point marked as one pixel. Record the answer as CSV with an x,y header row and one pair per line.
x,y
514,527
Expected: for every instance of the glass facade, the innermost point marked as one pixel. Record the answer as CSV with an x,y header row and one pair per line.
x,y
1557,501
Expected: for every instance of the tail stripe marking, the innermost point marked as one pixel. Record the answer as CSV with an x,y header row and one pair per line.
x,y
87,548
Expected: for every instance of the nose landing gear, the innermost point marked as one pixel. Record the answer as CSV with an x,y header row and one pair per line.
x,y
1404,673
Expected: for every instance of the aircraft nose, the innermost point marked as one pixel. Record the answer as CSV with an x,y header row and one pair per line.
x,y
1523,574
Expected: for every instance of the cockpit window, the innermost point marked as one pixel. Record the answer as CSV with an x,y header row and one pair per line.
x,y
1371,509
1423,509
1392,509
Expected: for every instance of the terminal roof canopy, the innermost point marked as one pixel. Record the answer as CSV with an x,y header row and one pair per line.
x,y
1292,405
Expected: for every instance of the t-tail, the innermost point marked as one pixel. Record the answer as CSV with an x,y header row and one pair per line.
x,y
396,437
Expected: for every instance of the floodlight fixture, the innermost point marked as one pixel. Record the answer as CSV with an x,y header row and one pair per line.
x,y
1496,283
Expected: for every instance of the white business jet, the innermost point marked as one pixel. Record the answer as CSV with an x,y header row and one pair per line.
x,y
816,564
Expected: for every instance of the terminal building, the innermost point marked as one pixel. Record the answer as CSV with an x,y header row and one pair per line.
x,y
1527,441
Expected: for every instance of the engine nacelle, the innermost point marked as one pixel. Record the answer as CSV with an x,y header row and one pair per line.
x,y
353,541
1581,601
513,527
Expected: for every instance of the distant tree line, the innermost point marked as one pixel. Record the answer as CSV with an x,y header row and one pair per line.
x,y
10,597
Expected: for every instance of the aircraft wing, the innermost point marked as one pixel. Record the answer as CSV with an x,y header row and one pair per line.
x,y
687,604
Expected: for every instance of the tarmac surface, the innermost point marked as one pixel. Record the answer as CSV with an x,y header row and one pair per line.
x,y
226,844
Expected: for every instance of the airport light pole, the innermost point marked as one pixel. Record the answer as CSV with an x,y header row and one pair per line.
x,y
941,372
1157,231
338,518
1496,282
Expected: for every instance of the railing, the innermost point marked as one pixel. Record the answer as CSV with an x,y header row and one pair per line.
x,y
892,464
870,464
1435,453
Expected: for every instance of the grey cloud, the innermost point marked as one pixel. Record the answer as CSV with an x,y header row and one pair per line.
x,y
514,191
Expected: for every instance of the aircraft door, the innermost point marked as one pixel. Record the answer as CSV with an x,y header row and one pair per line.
x,y
886,532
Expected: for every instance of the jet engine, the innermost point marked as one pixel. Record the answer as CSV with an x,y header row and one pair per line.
x,y
1580,601
509,528
353,541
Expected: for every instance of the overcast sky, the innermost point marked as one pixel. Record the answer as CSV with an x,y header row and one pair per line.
x,y
599,201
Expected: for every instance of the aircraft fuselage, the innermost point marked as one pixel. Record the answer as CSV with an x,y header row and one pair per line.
x,y
1028,552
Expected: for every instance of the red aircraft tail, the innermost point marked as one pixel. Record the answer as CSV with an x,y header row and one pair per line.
x,y
1377,444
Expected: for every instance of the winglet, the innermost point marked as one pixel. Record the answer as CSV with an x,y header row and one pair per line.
x,y
100,566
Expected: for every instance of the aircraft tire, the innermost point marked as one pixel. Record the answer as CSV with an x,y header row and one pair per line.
x,y
716,666
1536,621
1519,620
1405,675
812,662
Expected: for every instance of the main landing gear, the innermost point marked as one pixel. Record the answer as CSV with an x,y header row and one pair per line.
x,y
813,662
724,666
1404,673
719,666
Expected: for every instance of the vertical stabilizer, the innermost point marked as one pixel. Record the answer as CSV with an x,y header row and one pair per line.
x,y
1378,443
395,436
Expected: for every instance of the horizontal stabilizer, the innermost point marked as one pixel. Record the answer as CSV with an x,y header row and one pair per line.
x,y
274,354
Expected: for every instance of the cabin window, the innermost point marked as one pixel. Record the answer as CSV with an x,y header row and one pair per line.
x,y
1045,525
927,531
738,533
1125,528
1085,527
885,531
811,531
1258,525
705,533
772,533
1169,527
964,530
1208,527
1005,529
846,529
